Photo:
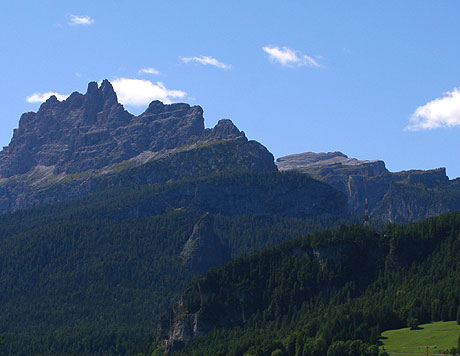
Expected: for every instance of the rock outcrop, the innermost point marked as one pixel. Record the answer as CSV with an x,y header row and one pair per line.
x,y
325,162
93,130
229,296
204,250
69,146
392,196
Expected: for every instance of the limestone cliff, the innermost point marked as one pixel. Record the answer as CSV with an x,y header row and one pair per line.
x,y
204,250
392,196
69,147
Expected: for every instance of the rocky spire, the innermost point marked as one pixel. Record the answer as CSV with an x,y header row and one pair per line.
x,y
224,130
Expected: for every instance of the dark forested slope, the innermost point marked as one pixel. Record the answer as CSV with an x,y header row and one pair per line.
x,y
92,275
110,215
329,293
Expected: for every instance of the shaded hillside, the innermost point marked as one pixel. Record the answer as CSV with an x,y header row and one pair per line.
x,y
392,196
93,275
203,160
328,293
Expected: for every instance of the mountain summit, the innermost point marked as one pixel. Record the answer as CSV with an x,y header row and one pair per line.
x,y
88,136
93,130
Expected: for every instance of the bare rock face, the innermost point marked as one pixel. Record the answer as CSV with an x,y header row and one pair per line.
x,y
204,250
349,175
392,196
90,135
309,162
224,130
180,325
93,130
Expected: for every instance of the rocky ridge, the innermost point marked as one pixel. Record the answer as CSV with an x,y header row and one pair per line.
x,y
392,196
77,142
93,130
308,161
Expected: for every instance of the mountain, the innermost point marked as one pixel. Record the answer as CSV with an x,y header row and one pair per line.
x,y
108,216
71,146
89,142
392,196
93,130
331,293
110,219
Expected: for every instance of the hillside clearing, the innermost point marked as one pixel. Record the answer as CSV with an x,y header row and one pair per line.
x,y
439,336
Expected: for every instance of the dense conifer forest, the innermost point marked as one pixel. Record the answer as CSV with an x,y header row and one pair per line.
x,y
96,275
92,276
329,293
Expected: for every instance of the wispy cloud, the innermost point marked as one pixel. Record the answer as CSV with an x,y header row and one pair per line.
x,y
206,60
75,20
289,57
440,112
149,70
42,97
139,92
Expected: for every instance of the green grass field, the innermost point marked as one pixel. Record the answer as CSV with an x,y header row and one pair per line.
x,y
442,335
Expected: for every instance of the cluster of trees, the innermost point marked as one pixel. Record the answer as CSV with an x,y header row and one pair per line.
x,y
306,297
93,275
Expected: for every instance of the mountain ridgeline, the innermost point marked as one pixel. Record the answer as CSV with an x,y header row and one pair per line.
x,y
74,145
110,219
108,216
89,141
392,196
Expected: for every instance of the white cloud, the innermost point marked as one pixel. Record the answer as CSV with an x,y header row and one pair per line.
x,y
139,92
440,112
206,60
289,57
80,20
42,97
150,70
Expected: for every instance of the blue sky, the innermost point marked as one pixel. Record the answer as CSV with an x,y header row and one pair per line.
x,y
373,79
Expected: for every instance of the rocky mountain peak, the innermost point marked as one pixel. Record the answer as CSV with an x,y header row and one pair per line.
x,y
93,130
51,100
391,196
155,107
224,129
101,104
107,93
